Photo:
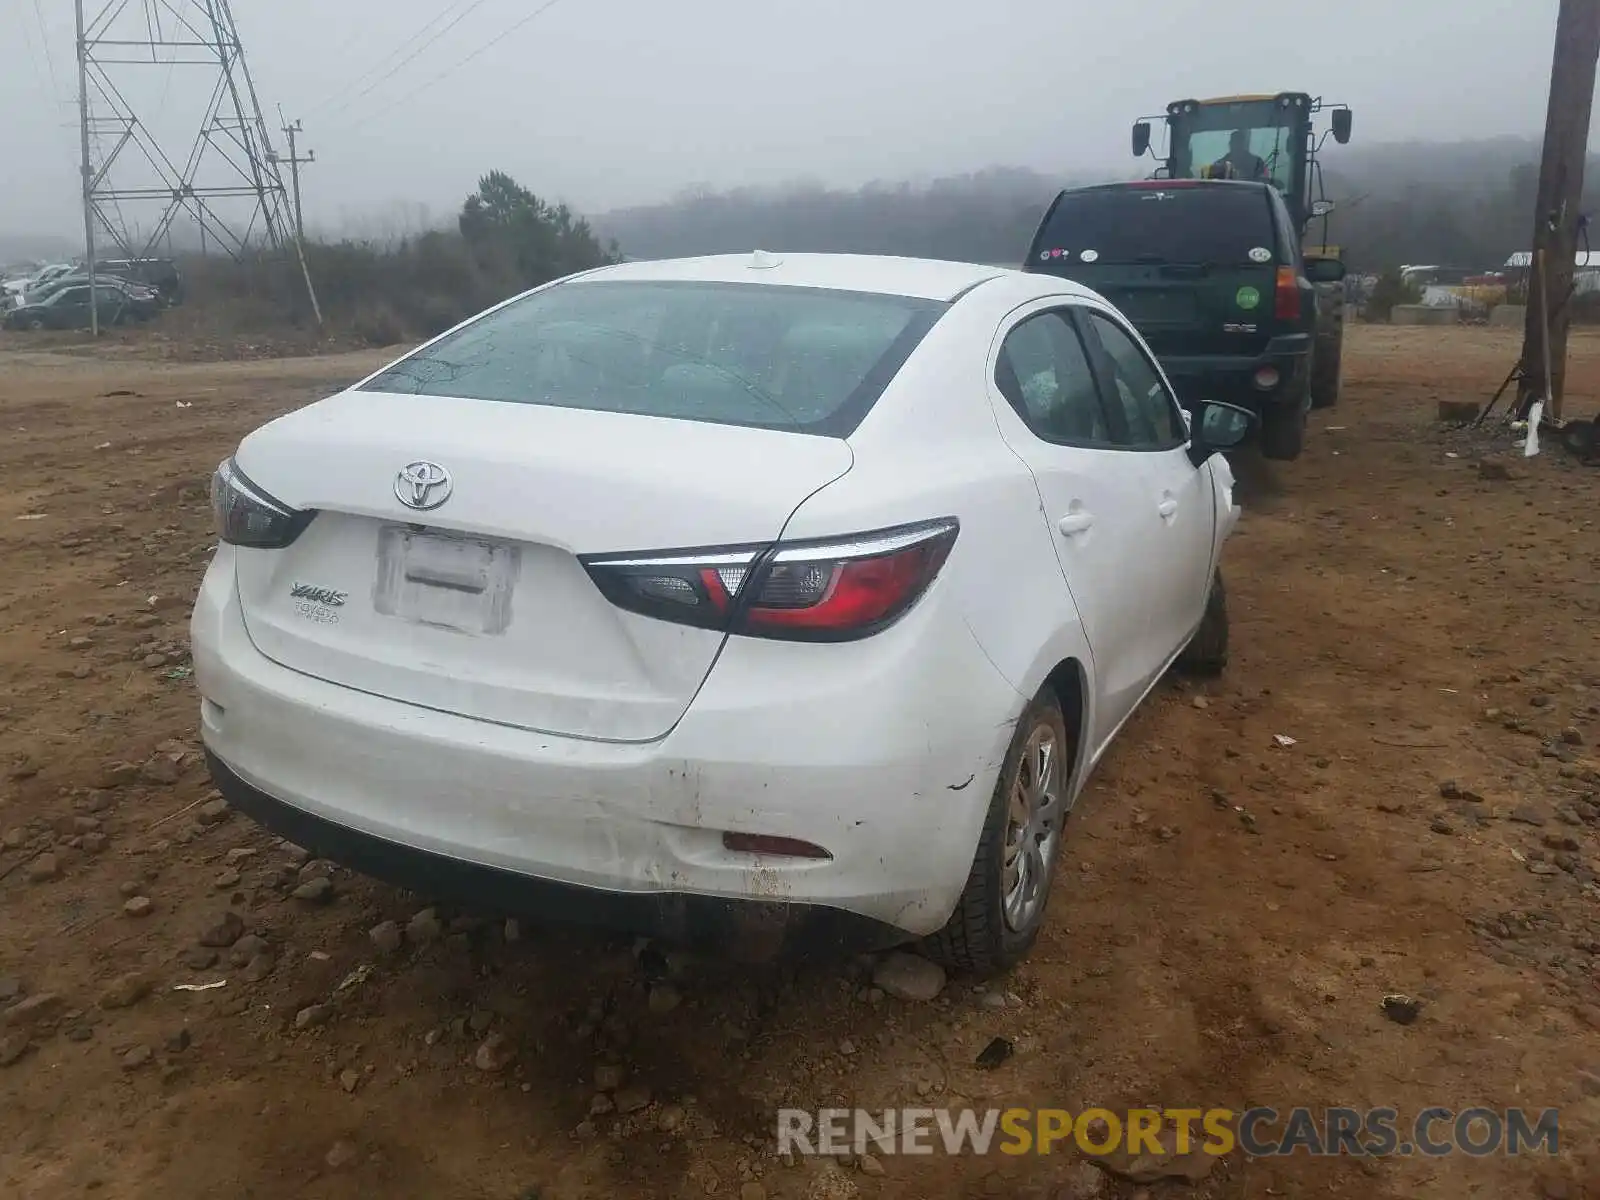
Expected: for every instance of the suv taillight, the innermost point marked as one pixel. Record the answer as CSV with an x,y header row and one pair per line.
x,y
827,590
1287,306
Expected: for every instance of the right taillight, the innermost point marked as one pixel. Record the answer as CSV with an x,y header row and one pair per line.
x,y
1288,297
834,589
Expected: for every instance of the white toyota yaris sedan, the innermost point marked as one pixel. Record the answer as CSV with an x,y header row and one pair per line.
x,y
673,594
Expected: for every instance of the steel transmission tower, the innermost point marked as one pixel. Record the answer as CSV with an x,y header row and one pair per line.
x,y
221,173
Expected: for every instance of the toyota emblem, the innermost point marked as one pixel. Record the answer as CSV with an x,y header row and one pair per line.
x,y
423,485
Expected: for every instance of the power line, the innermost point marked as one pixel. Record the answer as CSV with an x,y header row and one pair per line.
x,y
33,58
49,59
476,4
400,49
448,71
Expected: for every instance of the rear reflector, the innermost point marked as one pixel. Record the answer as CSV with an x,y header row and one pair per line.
x,y
757,843
1266,378
833,589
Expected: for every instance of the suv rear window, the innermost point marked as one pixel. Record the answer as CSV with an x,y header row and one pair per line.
x,y
802,359
1218,224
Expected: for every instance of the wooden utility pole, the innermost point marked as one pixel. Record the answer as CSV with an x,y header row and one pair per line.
x,y
294,160
1543,368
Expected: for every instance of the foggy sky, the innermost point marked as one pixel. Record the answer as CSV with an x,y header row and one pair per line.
x,y
606,103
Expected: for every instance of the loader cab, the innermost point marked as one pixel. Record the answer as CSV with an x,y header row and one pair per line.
x,y
1268,138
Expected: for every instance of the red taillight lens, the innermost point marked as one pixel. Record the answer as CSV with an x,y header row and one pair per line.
x,y
1288,302
832,590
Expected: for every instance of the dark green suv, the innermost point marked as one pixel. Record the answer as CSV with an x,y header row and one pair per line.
x,y
1210,273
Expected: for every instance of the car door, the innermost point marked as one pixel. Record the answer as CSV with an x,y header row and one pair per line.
x,y
110,301
1180,495
1047,401
69,308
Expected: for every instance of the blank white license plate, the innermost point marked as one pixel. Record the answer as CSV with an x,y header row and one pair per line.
x,y
444,580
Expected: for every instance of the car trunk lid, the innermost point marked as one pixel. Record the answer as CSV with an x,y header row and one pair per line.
x,y
480,606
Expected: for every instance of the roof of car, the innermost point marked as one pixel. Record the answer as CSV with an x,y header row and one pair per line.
x,y
921,278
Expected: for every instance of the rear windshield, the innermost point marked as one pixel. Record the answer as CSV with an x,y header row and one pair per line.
x,y
802,359
1218,225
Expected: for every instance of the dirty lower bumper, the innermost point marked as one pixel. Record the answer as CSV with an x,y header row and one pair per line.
x,y
706,923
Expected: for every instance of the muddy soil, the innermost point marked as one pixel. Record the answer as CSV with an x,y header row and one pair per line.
x,y
1231,910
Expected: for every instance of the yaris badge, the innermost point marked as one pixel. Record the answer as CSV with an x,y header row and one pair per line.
x,y
423,485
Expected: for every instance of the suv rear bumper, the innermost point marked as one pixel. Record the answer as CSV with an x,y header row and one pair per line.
x,y
1231,378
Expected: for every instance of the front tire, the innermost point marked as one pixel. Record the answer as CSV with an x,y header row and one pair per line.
x,y
1001,910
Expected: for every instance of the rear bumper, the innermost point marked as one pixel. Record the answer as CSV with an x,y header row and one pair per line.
x,y
1231,378
694,921
889,767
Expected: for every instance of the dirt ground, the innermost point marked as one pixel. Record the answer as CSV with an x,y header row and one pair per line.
x,y
1229,914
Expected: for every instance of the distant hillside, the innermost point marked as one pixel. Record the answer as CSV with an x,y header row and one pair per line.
x,y
987,216
1463,203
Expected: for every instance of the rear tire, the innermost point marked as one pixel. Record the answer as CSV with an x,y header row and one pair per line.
x,y
1283,433
1206,655
1001,910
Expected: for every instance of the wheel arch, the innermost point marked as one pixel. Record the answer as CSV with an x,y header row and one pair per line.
x,y
1069,681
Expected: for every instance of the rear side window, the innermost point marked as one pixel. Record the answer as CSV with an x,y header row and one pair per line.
x,y
801,359
1217,224
1150,415
1044,373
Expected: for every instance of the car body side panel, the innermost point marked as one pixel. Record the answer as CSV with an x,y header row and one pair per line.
x,y
941,453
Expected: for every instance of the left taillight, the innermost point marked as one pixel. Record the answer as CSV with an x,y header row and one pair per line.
x,y
244,515
834,589
1287,307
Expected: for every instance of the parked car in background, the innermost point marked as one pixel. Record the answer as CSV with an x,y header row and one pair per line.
x,y
17,287
801,587
77,279
68,308
160,274
1212,275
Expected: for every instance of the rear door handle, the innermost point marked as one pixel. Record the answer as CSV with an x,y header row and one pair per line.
x,y
1167,507
1076,522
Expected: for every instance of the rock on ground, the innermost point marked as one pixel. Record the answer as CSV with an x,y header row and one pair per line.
x,y
909,977
494,1053
386,937
223,932
425,927
126,990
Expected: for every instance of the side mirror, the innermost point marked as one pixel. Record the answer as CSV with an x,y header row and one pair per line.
x,y
1325,270
1216,427
1141,138
1321,208
1341,125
